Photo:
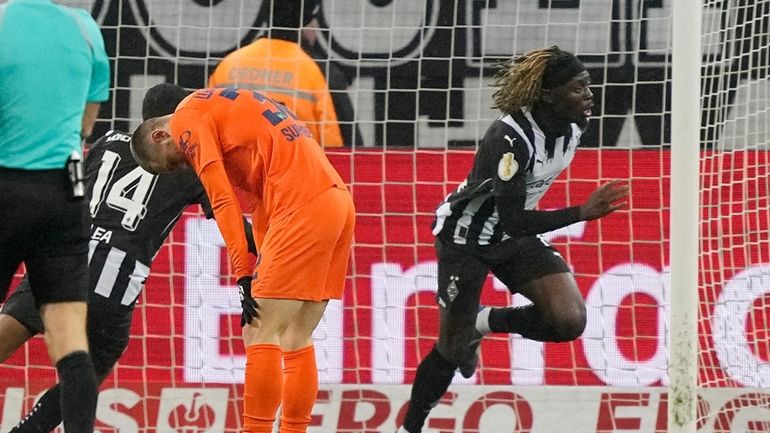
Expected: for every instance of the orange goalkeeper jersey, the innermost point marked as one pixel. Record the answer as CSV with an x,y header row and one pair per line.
x,y
281,70
242,138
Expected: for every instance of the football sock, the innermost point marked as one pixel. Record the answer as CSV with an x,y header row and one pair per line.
x,y
526,321
79,392
300,388
262,388
45,416
434,375
482,320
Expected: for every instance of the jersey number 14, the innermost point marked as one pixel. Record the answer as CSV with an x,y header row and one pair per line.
x,y
128,194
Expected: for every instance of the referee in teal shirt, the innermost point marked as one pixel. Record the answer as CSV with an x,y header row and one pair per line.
x,y
54,73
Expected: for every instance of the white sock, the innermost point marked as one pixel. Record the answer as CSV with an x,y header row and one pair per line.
x,y
482,320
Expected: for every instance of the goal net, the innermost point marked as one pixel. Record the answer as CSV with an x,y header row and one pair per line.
x,y
734,311
418,76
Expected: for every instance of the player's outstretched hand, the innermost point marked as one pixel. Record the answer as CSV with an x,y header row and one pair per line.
x,y
249,307
605,200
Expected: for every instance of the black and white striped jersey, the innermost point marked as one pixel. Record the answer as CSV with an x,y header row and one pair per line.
x,y
514,166
132,213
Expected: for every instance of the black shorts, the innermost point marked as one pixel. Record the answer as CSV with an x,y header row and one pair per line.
x,y
463,269
44,227
108,327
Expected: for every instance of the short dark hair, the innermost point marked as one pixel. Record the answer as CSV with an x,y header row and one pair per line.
x,y
141,142
162,100
290,14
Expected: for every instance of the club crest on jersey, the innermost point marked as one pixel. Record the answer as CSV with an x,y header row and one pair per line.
x,y
452,291
507,167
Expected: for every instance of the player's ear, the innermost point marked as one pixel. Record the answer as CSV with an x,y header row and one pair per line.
x,y
158,135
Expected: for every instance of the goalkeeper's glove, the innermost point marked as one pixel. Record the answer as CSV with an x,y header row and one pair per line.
x,y
248,304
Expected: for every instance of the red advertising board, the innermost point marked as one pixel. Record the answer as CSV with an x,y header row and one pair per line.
x,y
185,333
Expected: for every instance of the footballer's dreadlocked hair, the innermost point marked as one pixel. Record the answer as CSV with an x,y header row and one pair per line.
x,y
521,79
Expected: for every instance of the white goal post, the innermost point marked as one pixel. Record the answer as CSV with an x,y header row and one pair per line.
x,y
685,215
677,286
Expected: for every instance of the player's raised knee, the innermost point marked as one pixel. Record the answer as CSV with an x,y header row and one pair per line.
x,y
570,322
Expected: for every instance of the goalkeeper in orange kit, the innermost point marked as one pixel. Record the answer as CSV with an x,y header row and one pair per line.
x,y
241,138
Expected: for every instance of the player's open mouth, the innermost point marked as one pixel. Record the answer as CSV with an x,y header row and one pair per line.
x,y
587,112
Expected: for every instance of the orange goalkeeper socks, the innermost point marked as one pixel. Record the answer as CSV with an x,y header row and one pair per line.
x,y
299,390
263,387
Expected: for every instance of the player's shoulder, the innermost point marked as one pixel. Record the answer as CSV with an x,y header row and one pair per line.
x,y
520,121
114,143
84,19
504,131
82,14
111,138
194,111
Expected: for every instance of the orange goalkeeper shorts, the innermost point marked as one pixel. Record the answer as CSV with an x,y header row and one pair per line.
x,y
304,256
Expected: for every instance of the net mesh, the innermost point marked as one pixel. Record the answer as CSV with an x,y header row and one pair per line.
x,y
735,302
418,78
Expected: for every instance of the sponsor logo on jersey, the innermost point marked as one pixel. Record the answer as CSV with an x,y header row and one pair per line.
x,y
539,183
507,167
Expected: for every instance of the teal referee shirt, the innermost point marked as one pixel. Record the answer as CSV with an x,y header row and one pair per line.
x,y
52,61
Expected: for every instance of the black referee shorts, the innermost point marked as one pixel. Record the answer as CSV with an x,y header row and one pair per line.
x,y
42,226
108,327
463,269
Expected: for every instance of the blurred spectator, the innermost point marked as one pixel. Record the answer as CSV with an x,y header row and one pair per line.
x,y
276,66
